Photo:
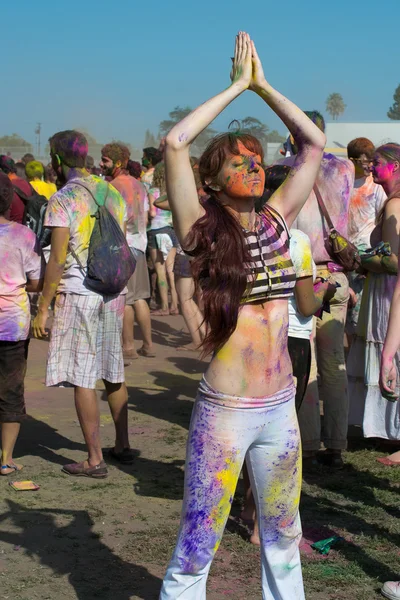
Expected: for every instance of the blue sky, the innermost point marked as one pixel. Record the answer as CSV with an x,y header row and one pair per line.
x,y
118,68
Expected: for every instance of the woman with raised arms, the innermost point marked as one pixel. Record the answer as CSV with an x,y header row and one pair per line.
x,y
245,406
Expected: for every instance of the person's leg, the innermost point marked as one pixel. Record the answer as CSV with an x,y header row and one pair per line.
x,y
332,369
13,359
309,413
274,463
216,447
169,266
111,367
300,355
159,266
249,512
117,396
9,435
143,318
128,342
190,311
89,418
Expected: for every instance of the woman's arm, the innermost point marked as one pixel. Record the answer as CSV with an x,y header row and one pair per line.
x,y
390,235
388,375
52,278
290,197
181,187
309,297
152,208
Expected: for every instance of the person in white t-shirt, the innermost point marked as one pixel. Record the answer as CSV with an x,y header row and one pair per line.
x,y
366,201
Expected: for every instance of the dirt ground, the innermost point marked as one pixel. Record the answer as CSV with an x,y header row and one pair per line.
x,y
78,538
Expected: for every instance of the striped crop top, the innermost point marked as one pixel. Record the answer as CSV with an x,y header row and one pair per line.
x,y
271,273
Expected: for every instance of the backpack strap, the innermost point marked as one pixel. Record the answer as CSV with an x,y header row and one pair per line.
x,y
322,207
91,193
74,254
21,194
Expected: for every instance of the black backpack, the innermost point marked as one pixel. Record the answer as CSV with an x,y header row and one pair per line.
x,y
34,213
110,262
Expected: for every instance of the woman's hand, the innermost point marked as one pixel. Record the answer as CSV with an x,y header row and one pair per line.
x,y
388,378
242,64
257,76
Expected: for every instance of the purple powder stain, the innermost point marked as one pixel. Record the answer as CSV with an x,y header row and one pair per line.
x,y
183,137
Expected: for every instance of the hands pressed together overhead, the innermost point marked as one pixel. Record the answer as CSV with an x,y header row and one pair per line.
x,y
247,69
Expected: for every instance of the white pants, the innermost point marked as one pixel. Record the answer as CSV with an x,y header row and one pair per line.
x,y
222,434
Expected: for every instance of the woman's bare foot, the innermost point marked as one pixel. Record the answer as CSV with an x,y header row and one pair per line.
x,y
255,538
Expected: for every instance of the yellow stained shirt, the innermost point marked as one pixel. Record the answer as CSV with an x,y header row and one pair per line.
x,y
43,188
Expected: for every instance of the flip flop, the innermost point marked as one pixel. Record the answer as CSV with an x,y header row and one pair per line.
x,y
13,467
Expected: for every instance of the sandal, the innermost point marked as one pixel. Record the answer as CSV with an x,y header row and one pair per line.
x,y
147,353
159,313
126,457
79,470
14,468
175,312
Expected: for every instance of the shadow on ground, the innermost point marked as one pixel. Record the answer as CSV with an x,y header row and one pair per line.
x,y
93,570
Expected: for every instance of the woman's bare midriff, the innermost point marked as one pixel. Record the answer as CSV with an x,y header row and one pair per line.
x,y
255,361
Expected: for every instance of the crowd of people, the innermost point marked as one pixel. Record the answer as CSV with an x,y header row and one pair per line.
x,y
242,250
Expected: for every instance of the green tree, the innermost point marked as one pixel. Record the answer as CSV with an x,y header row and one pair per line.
x,y
15,141
275,137
335,105
255,127
394,110
177,115
150,140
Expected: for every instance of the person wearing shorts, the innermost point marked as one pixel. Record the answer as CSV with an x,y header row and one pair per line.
x,y
21,270
85,343
162,243
114,161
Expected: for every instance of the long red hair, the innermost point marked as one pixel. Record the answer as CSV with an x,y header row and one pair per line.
x,y
218,247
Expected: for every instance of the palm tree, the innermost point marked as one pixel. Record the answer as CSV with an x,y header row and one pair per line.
x,y
335,105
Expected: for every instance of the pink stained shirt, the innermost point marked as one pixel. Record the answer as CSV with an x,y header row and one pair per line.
x,y
335,181
21,259
137,206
